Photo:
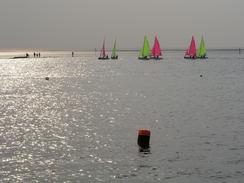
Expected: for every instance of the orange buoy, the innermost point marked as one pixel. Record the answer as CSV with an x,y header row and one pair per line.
x,y
143,140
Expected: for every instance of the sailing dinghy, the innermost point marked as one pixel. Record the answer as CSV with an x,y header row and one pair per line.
x,y
114,54
156,50
201,52
103,55
144,53
191,52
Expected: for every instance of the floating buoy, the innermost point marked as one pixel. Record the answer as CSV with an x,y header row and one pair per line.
x,y
47,78
201,75
143,140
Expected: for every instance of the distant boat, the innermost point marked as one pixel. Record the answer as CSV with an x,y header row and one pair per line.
x,y
191,52
144,53
156,50
103,55
201,52
114,54
18,57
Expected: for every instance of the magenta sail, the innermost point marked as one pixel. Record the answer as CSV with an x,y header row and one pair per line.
x,y
156,50
191,52
103,55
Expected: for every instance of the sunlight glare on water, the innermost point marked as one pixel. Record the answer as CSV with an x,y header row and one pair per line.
x,y
81,125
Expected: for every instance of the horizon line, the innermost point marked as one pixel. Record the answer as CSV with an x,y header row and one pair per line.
x,y
120,50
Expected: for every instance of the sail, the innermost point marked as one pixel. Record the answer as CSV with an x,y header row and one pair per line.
x,y
140,52
202,49
156,50
103,52
192,49
146,48
114,50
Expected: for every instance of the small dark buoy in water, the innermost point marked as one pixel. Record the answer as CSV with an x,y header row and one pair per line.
x,y
47,78
143,140
201,75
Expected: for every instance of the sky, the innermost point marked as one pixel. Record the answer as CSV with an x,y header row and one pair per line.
x,y
83,24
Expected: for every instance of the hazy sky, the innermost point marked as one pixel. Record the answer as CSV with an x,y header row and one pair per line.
x,y
82,24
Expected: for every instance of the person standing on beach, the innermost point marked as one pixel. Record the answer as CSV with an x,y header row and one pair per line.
x,y
73,54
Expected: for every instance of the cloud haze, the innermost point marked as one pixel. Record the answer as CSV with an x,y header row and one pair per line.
x,y
82,24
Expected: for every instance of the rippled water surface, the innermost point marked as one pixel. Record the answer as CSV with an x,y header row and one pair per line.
x,y
81,125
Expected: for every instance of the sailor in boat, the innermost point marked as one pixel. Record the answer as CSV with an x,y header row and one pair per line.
x,y
105,57
203,56
115,57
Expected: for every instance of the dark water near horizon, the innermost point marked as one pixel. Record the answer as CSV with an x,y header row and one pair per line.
x,y
81,125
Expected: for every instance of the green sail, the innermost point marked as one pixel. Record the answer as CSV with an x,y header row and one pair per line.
x,y
114,50
146,48
202,49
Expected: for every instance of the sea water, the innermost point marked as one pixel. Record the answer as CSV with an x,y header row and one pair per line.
x,y
81,125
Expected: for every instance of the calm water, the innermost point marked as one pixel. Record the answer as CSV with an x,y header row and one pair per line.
x,y
81,125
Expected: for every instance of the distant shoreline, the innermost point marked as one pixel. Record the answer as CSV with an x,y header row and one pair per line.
x,y
120,50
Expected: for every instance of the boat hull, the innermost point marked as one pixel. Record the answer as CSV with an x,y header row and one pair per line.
x,y
202,58
18,57
143,58
103,58
190,58
114,58
156,58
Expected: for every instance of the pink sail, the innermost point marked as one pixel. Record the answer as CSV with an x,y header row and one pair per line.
x,y
156,50
192,51
103,53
